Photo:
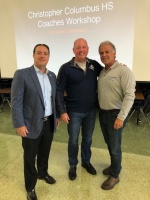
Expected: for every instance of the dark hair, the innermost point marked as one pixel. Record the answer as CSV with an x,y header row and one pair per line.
x,y
41,45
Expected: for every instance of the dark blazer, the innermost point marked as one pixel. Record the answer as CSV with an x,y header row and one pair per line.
x,y
27,101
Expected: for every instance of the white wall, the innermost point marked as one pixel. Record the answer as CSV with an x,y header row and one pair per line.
x,y
141,65
7,41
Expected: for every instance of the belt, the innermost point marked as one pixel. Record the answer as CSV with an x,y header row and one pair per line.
x,y
46,118
109,111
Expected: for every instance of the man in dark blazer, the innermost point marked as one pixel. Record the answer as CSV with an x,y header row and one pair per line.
x,y
34,116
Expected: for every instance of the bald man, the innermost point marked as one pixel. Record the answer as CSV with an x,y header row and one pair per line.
x,y
78,78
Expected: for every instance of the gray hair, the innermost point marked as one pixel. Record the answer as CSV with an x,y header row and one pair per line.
x,y
109,43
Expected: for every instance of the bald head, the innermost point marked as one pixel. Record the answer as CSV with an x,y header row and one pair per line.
x,y
80,40
80,49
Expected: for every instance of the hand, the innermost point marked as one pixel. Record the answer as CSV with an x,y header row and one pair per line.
x,y
65,118
57,122
118,123
22,131
123,64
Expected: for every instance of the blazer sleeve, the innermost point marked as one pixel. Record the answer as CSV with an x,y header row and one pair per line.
x,y
17,94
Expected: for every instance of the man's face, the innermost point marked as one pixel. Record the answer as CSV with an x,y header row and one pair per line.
x,y
41,56
107,55
80,50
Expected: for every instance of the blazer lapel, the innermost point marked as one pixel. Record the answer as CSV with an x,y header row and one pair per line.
x,y
36,82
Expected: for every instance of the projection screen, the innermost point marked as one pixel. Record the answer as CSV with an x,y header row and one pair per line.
x,y
58,23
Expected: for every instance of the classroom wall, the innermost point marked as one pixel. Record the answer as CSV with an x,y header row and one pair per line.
x,y
7,40
141,68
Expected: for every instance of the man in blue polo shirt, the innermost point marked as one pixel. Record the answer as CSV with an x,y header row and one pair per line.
x,y
78,78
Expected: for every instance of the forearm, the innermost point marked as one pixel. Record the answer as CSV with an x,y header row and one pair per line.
x,y
126,106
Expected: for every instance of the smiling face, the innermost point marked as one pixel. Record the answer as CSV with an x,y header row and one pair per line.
x,y
107,55
80,50
41,56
